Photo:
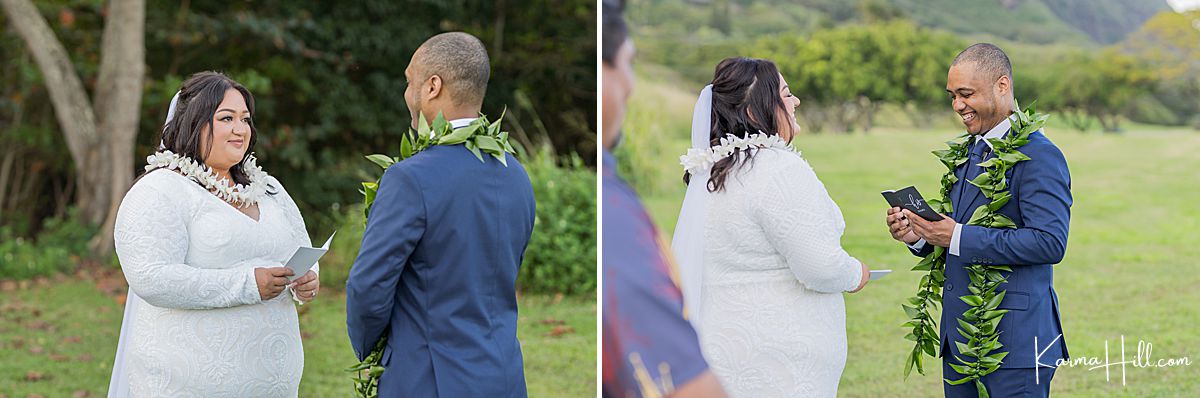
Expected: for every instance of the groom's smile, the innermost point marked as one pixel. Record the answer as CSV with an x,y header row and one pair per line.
x,y
968,118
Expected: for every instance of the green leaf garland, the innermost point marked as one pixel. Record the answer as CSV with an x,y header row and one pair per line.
x,y
480,137
982,354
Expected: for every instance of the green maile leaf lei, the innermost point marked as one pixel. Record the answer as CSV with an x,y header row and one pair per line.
x,y
480,137
981,354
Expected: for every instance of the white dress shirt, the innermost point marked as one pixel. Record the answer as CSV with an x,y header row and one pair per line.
x,y
460,123
995,132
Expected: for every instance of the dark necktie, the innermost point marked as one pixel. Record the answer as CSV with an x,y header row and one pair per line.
x,y
984,149
974,156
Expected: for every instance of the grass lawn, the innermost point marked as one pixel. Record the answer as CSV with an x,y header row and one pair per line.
x,y
1131,267
58,338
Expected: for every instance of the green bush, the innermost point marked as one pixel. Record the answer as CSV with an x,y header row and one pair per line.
x,y
1150,110
57,248
335,265
561,257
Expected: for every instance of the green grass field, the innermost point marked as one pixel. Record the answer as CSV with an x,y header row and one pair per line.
x,y
58,338
1131,267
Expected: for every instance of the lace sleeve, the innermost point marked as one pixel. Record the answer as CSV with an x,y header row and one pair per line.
x,y
793,212
151,237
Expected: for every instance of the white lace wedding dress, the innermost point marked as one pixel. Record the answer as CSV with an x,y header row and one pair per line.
x,y
774,322
198,327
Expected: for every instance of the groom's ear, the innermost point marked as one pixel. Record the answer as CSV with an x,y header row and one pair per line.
x,y
1004,85
434,88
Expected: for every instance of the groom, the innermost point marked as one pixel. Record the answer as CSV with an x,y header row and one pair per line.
x,y
980,85
437,269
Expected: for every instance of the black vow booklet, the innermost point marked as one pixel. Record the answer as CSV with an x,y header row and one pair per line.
x,y
910,199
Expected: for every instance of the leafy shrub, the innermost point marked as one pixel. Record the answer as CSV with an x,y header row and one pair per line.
x,y
335,265
56,248
561,257
1150,110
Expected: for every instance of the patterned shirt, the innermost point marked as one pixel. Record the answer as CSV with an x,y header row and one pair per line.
x,y
649,347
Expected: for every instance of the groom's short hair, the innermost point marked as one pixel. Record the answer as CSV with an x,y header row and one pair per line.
x,y
987,58
461,60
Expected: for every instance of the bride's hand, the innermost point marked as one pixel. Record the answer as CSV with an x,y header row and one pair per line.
x,y
271,281
306,287
866,276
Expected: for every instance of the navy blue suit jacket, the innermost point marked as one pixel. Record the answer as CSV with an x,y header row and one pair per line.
x,y
437,273
1041,208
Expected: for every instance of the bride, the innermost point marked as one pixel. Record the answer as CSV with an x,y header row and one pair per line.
x,y
202,238
758,242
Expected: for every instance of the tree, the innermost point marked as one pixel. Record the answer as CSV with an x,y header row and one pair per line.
x,y
721,19
99,133
843,75
328,80
1169,43
1097,86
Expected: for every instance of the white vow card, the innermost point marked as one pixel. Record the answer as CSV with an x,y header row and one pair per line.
x,y
879,273
305,257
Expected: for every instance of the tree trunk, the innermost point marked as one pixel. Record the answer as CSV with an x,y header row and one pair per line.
x,y
62,196
14,190
71,105
117,104
498,32
814,117
844,114
101,147
919,115
1108,124
867,117
5,174
32,181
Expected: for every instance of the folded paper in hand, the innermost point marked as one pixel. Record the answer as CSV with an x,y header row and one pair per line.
x,y
879,273
305,257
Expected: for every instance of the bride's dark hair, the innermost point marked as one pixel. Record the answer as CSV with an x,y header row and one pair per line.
x,y
199,98
198,101
745,100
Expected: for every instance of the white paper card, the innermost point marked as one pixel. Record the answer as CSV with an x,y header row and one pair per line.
x,y
879,273
305,257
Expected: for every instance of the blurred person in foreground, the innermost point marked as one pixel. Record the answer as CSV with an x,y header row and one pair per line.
x,y
649,348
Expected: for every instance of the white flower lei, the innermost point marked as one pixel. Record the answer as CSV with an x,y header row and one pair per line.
x,y
700,159
245,195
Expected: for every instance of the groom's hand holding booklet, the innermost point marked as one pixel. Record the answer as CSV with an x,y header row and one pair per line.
x,y
911,200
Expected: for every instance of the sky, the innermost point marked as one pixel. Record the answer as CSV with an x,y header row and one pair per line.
x,y
1184,5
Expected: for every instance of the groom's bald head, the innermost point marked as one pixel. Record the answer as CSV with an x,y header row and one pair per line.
x,y
460,61
987,59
